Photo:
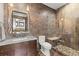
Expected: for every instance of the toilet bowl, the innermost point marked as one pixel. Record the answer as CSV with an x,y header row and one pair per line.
x,y
45,46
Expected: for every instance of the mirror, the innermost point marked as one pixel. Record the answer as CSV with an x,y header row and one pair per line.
x,y
19,21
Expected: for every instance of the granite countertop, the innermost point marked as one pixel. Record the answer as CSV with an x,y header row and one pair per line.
x,y
17,40
67,50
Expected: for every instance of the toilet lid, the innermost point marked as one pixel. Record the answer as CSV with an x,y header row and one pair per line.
x,y
46,44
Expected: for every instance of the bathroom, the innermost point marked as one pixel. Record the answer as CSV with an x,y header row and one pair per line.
x,y
23,25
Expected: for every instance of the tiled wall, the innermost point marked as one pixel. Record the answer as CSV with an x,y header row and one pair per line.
x,y
69,25
42,20
0,33
1,19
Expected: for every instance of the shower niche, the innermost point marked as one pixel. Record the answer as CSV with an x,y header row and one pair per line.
x,y
20,21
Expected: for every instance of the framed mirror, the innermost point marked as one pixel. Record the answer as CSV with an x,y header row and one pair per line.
x,y
20,21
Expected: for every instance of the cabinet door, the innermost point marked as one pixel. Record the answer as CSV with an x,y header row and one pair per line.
x,y
6,50
33,48
2,50
21,49
28,48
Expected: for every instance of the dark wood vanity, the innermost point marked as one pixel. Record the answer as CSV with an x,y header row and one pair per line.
x,y
28,48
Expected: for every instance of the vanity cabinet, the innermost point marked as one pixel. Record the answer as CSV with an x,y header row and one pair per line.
x,y
28,48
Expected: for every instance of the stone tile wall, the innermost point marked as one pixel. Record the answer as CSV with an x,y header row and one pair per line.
x,y
42,20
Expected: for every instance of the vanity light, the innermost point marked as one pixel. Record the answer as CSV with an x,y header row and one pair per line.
x,y
27,8
11,5
61,19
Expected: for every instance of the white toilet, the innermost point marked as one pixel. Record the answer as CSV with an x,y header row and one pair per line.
x,y
45,46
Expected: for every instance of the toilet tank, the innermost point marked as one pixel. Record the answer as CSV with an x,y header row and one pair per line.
x,y
41,39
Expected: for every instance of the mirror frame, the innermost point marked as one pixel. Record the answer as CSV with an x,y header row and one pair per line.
x,y
19,15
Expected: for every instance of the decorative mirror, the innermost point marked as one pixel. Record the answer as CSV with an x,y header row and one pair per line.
x,y
19,21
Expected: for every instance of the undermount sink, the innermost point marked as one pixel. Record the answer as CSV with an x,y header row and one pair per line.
x,y
54,38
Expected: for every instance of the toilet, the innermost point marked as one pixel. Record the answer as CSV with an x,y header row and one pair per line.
x,y
45,46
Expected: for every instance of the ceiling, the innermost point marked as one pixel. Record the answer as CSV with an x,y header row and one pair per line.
x,y
54,5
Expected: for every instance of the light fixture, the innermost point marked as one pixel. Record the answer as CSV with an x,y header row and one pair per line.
x,y
61,19
27,8
11,5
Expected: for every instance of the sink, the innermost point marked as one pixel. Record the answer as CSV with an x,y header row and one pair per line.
x,y
54,38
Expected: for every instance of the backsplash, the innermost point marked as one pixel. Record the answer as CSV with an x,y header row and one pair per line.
x,y
42,20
